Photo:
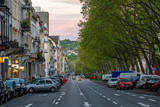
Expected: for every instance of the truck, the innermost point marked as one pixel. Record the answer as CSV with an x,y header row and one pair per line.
x,y
116,74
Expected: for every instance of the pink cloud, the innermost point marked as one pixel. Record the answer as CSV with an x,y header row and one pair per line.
x,y
64,27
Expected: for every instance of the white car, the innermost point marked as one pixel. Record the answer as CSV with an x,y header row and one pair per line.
x,y
106,77
112,82
142,80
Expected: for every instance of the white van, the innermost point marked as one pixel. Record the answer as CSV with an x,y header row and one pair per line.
x,y
126,75
106,77
142,80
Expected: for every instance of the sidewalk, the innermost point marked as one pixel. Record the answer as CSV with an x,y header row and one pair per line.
x,y
135,90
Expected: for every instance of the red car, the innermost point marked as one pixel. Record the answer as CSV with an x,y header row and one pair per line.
x,y
155,84
124,83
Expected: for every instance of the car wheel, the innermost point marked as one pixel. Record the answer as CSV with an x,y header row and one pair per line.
x,y
52,89
31,90
158,90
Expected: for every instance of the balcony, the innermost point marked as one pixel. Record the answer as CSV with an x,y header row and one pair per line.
x,y
25,25
26,7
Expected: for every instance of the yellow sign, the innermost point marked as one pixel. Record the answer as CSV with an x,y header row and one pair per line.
x,y
6,57
1,59
21,67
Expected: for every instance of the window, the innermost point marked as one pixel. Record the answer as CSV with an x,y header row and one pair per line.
x,y
41,82
48,82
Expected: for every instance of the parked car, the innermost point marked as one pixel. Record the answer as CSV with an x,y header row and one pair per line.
x,y
63,79
157,86
79,78
124,84
19,86
41,85
142,80
8,91
106,77
134,80
149,82
13,88
112,82
3,94
24,86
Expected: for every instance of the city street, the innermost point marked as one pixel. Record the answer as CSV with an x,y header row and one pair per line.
x,y
85,93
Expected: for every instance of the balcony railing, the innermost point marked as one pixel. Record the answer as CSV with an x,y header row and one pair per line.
x,y
37,39
26,7
25,25
45,51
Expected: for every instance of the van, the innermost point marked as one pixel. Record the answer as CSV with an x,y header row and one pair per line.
x,y
126,75
142,80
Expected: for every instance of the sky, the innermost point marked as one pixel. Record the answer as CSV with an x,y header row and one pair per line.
x,y
64,16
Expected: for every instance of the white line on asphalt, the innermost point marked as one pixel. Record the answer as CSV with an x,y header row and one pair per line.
x,y
152,100
39,95
54,101
81,92
59,99
104,96
142,97
100,94
60,96
109,99
63,93
57,103
29,105
127,93
117,95
86,104
114,102
122,92
149,95
45,95
133,95
144,105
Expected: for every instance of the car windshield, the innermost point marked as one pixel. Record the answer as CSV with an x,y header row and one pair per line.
x,y
124,80
9,83
151,80
113,79
33,81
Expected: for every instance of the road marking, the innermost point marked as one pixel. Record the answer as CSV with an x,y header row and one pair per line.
x,y
86,104
142,97
104,96
122,92
109,99
60,96
152,100
54,101
117,95
81,92
144,105
100,94
114,102
29,105
39,95
149,95
45,95
63,93
127,93
133,95
59,99
57,103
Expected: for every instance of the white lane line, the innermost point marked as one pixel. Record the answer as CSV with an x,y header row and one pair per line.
x,y
104,96
142,97
45,95
29,105
63,93
54,101
57,103
114,102
86,104
60,96
127,93
133,95
144,105
122,92
117,95
59,99
149,95
39,95
152,100
108,99
81,92
100,94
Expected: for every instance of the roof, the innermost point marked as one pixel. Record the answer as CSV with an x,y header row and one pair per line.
x,y
55,39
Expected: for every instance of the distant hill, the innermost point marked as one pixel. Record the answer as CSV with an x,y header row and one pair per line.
x,y
70,48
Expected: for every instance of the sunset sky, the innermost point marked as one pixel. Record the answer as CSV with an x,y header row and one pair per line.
x,y
64,16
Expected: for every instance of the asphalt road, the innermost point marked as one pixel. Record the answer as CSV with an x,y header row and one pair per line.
x,y
85,94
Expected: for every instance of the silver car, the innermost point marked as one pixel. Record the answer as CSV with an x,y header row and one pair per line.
x,y
112,82
41,85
